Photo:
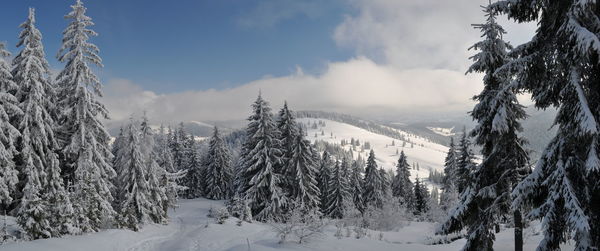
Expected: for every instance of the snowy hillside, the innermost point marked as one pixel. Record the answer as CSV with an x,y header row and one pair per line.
x,y
428,155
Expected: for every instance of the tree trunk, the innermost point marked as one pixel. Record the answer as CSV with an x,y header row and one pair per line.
x,y
518,230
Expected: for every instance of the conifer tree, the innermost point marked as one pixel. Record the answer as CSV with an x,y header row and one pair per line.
x,y
37,160
346,171
193,166
116,145
449,195
559,66
156,192
302,168
323,180
372,184
338,193
356,186
134,199
170,177
421,206
9,110
464,163
83,139
288,131
497,113
402,187
261,176
386,183
450,166
218,173
177,143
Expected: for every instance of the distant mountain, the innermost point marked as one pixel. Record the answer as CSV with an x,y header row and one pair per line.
x,y
536,129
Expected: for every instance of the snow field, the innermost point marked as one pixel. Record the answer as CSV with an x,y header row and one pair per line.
x,y
429,156
191,230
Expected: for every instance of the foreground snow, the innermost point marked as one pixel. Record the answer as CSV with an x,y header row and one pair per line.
x,y
190,229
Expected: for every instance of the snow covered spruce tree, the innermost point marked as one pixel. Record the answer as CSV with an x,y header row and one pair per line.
x,y
323,180
156,191
218,169
422,198
559,66
299,163
302,170
177,143
449,194
83,139
9,110
192,163
450,164
338,193
134,198
288,131
386,183
45,209
402,187
170,177
356,186
497,114
372,184
464,163
261,177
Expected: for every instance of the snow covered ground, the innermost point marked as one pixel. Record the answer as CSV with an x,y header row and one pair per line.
x,y
190,229
429,156
442,131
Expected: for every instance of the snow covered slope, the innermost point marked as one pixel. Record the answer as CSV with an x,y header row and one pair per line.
x,y
190,229
428,155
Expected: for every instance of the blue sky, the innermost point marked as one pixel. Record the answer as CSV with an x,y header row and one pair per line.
x,y
194,44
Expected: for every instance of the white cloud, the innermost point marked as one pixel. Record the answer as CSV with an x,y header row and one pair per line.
x,y
411,55
417,33
358,85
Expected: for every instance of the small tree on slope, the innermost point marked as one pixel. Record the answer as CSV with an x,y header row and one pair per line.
x,y
288,131
422,198
338,193
134,197
156,192
450,165
169,179
323,180
372,185
356,186
194,178
302,168
402,187
218,173
464,164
